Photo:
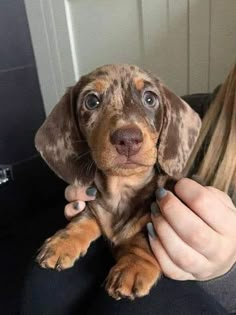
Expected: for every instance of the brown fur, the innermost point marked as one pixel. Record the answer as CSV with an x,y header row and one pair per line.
x,y
75,141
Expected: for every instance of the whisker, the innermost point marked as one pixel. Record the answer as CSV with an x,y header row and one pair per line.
x,y
91,167
79,156
88,168
83,166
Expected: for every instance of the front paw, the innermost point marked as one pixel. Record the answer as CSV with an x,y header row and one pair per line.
x,y
61,251
131,279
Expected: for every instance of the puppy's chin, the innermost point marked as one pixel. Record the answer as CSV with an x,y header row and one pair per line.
x,y
126,170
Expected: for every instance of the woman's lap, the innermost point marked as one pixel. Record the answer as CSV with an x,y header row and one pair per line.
x,y
167,298
60,293
79,290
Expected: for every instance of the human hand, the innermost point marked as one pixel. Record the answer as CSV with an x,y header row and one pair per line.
x,y
193,234
77,197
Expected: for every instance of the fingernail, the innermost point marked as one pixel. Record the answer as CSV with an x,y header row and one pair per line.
x,y
91,191
155,210
160,193
76,206
151,230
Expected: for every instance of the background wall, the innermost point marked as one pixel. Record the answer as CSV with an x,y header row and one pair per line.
x,y
190,44
21,105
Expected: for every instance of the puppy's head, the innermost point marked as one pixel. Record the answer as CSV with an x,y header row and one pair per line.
x,y
121,118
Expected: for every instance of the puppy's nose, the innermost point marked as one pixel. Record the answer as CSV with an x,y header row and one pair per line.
x,y
127,140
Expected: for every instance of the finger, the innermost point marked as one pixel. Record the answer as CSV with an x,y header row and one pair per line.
x,y
185,257
81,193
222,196
168,267
189,227
74,208
219,194
205,204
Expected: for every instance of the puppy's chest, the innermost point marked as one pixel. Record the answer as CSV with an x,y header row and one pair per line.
x,y
122,208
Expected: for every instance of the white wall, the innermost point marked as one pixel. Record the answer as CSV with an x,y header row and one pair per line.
x,y
190,44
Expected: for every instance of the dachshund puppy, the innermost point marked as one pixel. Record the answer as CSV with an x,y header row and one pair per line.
x,y
121,129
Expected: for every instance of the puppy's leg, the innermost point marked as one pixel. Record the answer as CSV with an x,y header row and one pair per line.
x,y
136,270
62,249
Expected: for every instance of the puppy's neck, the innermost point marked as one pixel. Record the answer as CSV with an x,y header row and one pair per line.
x,y
117,188
122,204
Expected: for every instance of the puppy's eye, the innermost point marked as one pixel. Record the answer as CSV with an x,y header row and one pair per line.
x,y
150,99
92,101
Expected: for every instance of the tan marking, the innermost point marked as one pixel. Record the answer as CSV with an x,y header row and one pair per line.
x,y
139,83
136,271
99,86
60,252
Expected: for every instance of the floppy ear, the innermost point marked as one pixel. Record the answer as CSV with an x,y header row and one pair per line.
x,y
61,143
180,130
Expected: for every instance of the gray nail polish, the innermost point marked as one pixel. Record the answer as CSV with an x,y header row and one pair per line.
x,y
76,206
151,230
155,209
91,191
160,193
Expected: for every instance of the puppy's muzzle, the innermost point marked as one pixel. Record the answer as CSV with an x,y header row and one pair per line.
x,y
127,140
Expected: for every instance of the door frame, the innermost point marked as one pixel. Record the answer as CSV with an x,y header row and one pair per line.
x,y
52,49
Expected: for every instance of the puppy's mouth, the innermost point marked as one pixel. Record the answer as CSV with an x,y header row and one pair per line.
x,y
129,163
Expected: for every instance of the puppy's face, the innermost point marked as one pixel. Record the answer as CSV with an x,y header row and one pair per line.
x,y
128,120
119,110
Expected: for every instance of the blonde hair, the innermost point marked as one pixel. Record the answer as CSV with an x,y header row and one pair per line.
x,y
218,141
